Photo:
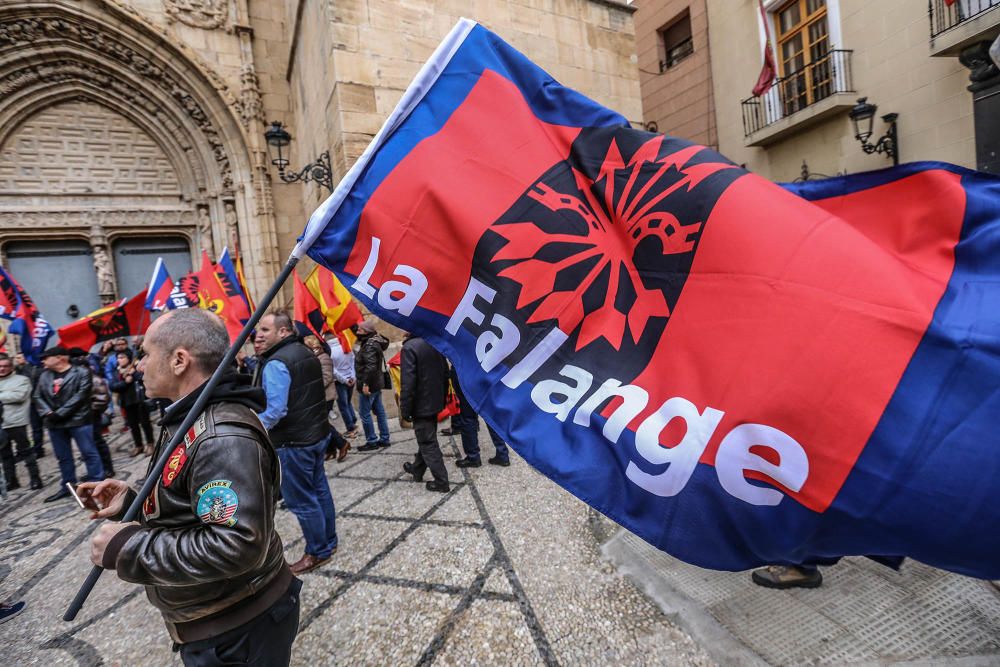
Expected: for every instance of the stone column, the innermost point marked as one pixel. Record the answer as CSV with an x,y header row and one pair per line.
x,y
103,266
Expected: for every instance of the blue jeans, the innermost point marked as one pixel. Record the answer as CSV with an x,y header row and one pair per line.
x,y
367,403
84,437
344,405
307,493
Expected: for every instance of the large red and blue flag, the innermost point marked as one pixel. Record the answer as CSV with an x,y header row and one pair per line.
x,y
26,321
740,373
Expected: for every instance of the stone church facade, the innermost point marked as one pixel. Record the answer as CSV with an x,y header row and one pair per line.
x,y
131,129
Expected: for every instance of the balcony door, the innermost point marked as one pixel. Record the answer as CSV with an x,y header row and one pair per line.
x,y
803,38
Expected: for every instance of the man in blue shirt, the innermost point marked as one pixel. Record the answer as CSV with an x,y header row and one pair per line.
x,y
296,421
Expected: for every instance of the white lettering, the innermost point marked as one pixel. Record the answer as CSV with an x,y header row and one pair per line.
x,y
634,400
682,457
543,392
532,361
491,349
411,291
466,309
361,284
734,457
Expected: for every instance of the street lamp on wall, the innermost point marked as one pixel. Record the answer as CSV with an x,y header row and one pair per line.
x,y
319,171
862,116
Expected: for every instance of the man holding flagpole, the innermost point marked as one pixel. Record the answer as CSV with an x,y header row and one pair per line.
x,y
205,546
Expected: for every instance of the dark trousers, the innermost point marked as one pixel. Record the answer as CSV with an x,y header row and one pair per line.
x,y
17,435
466,423
137,417
84,437
344,405
428,456
37,430
266,640
102,445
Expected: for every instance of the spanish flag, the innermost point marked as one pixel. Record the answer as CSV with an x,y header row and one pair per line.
x,y
335,303
307,308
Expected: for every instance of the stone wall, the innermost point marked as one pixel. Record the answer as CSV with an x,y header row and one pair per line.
x,y
679,99
351,60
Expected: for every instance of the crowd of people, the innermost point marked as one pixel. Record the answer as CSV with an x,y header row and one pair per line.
x,y
218,574
308,383
264,438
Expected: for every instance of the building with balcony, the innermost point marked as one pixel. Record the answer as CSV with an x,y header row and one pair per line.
x,y
927,62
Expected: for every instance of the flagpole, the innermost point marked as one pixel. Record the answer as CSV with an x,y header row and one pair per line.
x,y
186,424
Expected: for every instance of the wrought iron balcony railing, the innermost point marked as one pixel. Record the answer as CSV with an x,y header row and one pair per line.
x,y
816,81
944,17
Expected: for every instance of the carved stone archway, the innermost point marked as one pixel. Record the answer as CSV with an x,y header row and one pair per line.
x,y
55,53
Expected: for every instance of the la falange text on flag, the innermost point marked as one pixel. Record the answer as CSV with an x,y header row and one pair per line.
x,y
740,373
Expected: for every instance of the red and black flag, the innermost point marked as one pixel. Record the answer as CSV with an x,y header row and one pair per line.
x,y
128,317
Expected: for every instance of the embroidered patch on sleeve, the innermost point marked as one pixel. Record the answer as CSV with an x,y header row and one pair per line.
x,y
174,464
218,502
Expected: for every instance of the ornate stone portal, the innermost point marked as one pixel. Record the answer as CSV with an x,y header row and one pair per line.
x,y
108,131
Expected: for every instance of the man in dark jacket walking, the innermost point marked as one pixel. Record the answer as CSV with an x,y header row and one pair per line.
x,y
62,397
205,546
295,419
423,387
369,367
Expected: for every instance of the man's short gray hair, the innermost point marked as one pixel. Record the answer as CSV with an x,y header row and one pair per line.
x,y
198,331
282,320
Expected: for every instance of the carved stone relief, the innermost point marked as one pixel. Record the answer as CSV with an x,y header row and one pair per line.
x,y
232,226
112,218
34,32
46,155
102,264
205,231
251,106
207,14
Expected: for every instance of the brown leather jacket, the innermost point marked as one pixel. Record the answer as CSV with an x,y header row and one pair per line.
x,y
206,547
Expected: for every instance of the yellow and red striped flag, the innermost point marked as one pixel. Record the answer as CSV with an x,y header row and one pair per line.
x,y
336,304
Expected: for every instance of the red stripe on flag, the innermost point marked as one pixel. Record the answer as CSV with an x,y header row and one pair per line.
x,y
533,145
795,319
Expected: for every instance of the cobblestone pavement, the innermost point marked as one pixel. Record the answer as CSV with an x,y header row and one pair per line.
x,y
864,614
504,569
